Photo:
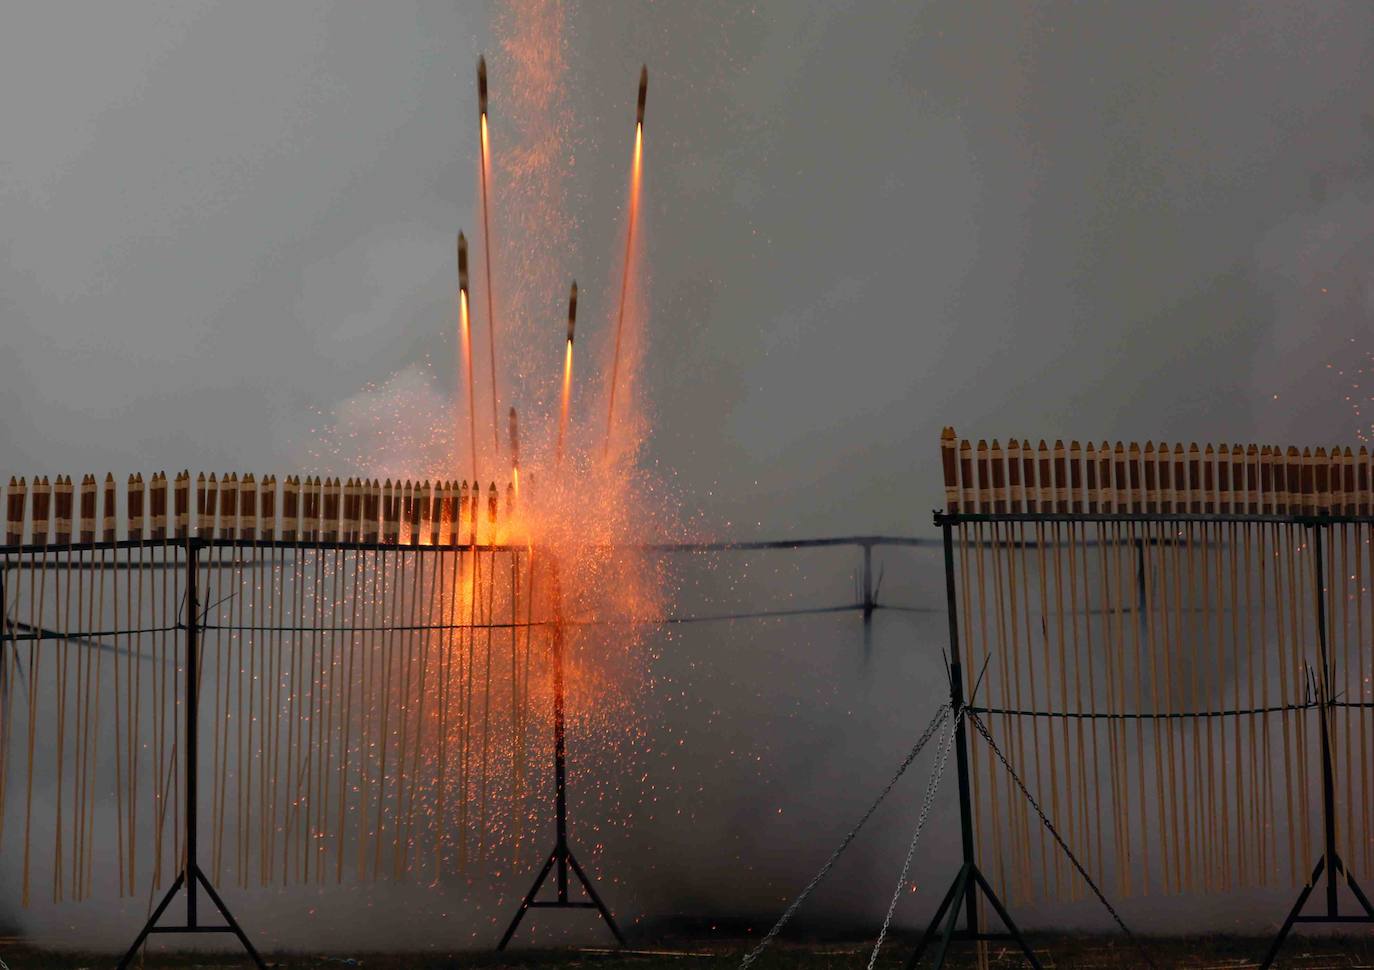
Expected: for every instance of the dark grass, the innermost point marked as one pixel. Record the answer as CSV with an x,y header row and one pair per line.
x,y
1058,952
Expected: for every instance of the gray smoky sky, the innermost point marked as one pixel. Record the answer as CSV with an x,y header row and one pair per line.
x,y
221,222
864,221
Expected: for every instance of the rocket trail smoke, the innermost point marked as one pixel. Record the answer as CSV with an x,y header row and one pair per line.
x,y
567,371
465,338
485,163
629,248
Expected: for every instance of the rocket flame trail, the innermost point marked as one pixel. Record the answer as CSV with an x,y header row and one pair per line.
x,y
629,248
567,372
486,244
465,338
514,453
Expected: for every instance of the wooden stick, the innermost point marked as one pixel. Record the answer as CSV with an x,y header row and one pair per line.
x,y
1105,503
1015,570
1090,474
977,658
1362,542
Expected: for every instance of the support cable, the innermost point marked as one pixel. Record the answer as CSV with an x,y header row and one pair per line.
x,y
940,714
1049,826
916,836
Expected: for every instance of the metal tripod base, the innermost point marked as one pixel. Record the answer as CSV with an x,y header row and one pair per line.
x,y
230,924
1332,914
562,857
965,887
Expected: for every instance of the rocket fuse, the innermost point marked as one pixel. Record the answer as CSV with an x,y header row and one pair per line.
x,y
643,91
462,263
482,85
572,311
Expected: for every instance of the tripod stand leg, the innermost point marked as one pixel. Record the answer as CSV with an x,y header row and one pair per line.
x,y
1355,887
152,920
229,919
960,886
1006,919
934,926
591,894
1293,915
529,898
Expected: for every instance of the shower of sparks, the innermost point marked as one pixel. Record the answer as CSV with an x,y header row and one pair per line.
x,y
576,505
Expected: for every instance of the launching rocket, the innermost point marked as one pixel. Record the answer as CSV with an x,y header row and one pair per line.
x,y
514,439
643,91
462,263
482,87
572,311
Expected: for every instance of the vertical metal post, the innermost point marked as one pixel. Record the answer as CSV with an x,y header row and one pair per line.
x,y
1324,709
560,768
956,703
869,605
192,723
1139,584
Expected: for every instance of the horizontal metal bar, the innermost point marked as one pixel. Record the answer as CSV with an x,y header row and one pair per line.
x,y
206,542
760,544
54,548
558,905
191,929
344,545
1127,716
44,633
1333,919
1125,518
398,628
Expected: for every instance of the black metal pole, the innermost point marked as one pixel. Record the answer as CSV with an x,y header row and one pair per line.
x,y
1324,710
192,726
956,703
561,859
869,604
560,767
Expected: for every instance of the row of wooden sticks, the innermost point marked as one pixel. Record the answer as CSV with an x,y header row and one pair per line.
x,y
1154,479
309,509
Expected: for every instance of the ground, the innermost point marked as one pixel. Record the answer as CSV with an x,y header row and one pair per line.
x,y
1055,953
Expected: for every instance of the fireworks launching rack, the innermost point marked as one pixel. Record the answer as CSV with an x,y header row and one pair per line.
x,y
1206,532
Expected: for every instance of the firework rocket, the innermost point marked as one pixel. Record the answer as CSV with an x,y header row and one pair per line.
x,y
567,370
465,337
572,311
643,92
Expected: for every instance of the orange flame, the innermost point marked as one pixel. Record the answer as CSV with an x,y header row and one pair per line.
x,y
491,299
567,397
465,334
625,277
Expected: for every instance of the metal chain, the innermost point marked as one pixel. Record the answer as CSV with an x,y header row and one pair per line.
x,y
982,729
930,730
916,836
